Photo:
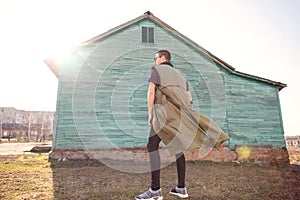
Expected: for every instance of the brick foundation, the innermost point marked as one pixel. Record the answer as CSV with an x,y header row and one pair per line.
x,y
262,155
258,155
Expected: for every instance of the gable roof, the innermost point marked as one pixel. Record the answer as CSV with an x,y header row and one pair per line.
x,y
54,66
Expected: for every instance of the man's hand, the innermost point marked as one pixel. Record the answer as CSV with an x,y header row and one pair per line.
x,y
150,120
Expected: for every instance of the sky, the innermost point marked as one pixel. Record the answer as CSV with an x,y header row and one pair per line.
x,y
258,37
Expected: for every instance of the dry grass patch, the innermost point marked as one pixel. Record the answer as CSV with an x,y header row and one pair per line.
x,y
33,177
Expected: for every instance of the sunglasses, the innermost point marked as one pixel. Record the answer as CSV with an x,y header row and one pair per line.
x,y
156,58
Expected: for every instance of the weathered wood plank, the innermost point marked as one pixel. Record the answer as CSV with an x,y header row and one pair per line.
x,y
102,97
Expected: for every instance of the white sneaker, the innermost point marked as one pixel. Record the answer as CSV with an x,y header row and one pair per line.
x,y
150,195
180,192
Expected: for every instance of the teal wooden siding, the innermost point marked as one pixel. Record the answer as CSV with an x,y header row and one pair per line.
x,y
252,112
102,96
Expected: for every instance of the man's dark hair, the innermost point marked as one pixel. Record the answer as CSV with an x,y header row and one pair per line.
x,y
164,53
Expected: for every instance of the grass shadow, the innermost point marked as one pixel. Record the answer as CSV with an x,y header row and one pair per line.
x,y
90,179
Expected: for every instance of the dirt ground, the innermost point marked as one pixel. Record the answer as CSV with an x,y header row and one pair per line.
x,y
33,176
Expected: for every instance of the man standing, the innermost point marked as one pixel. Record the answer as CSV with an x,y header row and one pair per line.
x,y
172,120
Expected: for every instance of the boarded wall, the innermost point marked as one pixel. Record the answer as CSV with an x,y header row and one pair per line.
x,y
102,100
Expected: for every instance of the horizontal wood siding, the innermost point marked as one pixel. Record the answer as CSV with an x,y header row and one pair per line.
x,y
253,112
102,99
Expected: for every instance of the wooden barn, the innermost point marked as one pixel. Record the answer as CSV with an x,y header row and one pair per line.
x,y
102,95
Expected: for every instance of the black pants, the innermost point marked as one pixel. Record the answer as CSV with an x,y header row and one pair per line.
x,y
152,147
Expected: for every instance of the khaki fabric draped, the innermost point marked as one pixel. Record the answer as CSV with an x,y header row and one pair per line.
x,y
179,126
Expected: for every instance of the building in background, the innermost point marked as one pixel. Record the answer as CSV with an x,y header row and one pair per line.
x,y
293,142
293,147
26,125
102,94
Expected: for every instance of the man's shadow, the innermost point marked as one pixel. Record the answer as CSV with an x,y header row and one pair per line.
x,y
91,179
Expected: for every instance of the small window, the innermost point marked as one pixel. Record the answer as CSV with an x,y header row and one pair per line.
x,y
147,34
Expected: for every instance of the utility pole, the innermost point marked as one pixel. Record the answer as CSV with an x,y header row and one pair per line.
x,y
43,129
29,124
1,119
1,129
